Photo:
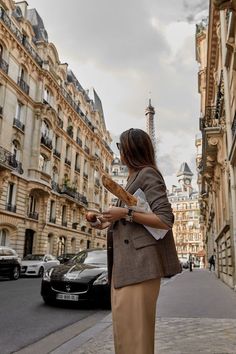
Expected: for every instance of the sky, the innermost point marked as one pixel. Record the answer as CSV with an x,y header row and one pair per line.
x,y
130,51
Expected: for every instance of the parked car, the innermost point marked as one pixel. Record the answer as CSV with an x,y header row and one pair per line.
x,y
83,277
63,258
184,262
10,263
37,264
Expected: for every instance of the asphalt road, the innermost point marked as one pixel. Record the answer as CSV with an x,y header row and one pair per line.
x,y
24,318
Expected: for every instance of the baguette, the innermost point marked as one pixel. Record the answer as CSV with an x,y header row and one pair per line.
x,y
118,191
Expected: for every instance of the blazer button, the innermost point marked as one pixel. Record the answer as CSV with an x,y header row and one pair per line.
x,y
126,241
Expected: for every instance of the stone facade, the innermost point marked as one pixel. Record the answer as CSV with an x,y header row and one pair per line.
x,y
215,53
187,231
54,144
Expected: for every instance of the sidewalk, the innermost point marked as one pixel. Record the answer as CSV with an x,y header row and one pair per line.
x,y
196,313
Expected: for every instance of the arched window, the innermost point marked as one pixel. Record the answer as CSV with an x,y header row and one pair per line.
x,y
61,246
55,174
3,237
45,129
44,163
73,245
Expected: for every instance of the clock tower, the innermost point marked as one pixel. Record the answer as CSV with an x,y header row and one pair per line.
x,y
185,177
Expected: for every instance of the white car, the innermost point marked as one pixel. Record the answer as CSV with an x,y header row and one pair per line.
x,y
37,264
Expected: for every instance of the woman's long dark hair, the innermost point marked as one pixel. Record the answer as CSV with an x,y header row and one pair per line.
x,y
136,149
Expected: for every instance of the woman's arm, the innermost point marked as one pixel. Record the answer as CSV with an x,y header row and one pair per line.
x,y
148,219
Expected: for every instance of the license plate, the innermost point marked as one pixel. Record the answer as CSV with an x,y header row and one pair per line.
x,y
67,297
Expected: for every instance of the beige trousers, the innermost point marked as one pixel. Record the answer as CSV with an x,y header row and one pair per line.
x,y
133,315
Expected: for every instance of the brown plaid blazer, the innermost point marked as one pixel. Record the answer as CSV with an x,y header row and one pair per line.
x,y
133,253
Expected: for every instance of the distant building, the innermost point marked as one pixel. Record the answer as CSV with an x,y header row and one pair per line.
x,y
187,231
119,174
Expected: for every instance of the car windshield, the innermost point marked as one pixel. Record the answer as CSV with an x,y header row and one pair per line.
x,y
33,257
91,257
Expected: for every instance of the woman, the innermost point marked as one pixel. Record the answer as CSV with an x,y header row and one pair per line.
x,y
136,260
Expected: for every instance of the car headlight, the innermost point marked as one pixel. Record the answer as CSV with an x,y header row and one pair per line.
x,y
102,279
47,275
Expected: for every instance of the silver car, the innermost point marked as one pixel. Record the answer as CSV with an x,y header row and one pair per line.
x,y
37,264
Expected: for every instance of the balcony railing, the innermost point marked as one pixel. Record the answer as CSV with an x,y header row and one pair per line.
x,y
86,149
10,207
60,123
67,161
64,223
19,36
71,192
4,66
79,141
33,215
52,219
23,85
17,123
45,140
8,160
57,153
233,127
212,118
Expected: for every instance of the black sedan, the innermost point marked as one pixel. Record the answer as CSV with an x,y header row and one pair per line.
x,y
65,257
10,263
83,277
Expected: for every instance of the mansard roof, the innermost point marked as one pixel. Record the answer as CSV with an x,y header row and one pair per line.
x,y
38,26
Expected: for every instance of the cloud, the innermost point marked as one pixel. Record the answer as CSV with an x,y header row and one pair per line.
x,y
125,49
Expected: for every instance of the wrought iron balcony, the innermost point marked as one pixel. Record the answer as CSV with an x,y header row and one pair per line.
x,y
8,160
23,85
79,141
19,36
52,219
57,153
67,161
33,215
10,207
70,131
71,192
55,187
60,123
4,66
212,118
86,149
17,123
64,223
45,140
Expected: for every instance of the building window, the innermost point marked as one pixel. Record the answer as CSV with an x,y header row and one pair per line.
x,y
52,216
3,237
64,216
47,97
11,197
16,150
77,162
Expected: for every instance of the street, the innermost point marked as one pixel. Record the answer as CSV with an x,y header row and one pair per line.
x,y
25,319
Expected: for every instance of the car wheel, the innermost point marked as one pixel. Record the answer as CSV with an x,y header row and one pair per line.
x,y
41,272
15,273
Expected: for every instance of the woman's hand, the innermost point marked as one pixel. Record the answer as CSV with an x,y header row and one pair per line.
x,y
114,214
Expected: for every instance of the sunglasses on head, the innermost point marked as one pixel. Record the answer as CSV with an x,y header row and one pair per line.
x,y
118,146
